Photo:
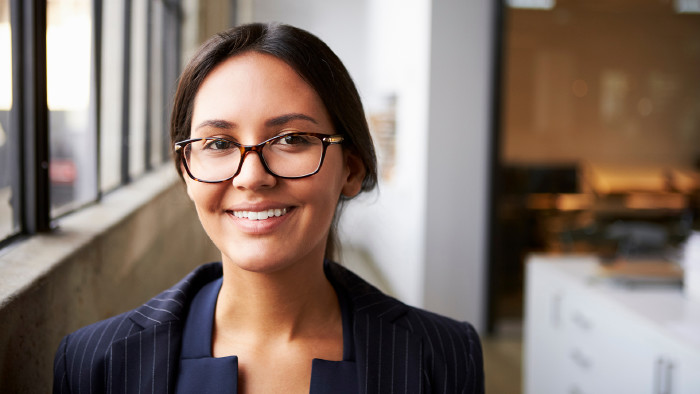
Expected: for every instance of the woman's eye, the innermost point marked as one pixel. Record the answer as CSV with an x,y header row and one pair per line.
x,y
218,145
293,140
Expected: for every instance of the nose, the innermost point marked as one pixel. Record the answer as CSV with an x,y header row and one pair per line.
x,y
253,175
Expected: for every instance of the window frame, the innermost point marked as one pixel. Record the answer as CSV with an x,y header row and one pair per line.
x,y
14,147
29,114
28,133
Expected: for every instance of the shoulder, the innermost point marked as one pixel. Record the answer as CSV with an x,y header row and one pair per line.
x,y
450,350
366,297
446,337
170,305
85,352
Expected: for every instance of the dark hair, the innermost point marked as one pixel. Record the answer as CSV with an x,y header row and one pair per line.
x,y
313,60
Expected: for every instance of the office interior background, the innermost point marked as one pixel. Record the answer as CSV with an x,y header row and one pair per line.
x,y
505,130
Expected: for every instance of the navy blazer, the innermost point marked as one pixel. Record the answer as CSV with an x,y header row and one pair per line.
x,y
398,348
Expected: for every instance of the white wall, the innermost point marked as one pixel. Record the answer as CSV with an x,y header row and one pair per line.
x,y
341,24
425,228
458,151
391,224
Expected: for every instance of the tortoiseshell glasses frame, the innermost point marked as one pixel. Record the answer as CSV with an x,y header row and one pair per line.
x,y
291,155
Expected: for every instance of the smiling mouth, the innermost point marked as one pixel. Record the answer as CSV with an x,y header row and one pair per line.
x,y
261,215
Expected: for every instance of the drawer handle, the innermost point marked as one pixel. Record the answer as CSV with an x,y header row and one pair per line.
x,y
575,390
663,376
580,359
555,312
582,321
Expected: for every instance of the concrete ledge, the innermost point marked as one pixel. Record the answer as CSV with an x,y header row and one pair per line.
x,y
24,263
103,260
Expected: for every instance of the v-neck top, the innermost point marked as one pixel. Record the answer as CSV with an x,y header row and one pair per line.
x,y
199,372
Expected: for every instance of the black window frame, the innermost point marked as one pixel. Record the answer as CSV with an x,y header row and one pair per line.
x,y
29,131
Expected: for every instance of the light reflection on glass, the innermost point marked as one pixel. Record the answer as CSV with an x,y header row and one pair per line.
x,y
157,101
7,159
111,94
138,93
72,169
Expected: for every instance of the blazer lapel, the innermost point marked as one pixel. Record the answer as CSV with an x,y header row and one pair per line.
x,y
146,361
388,355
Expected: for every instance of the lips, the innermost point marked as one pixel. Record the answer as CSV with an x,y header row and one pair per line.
x,y
260,215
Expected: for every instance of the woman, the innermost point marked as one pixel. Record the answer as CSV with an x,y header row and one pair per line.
x,y
270,137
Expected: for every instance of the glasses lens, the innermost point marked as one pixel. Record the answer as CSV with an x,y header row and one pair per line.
x,y
289,155
212,159
293,155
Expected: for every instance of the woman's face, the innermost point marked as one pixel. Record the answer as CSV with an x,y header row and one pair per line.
x,y
249,98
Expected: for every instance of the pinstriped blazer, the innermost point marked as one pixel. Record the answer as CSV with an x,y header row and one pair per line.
x,y
398,348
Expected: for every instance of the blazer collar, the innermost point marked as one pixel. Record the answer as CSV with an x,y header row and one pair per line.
x,y
365,298
388,354
172,304
158,339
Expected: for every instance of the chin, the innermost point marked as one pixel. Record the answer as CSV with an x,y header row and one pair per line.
x,y
259,263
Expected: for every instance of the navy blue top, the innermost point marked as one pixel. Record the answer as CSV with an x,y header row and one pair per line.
x,y
397,348
199,372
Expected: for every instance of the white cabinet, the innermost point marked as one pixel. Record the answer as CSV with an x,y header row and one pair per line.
x,y
677,369
585,335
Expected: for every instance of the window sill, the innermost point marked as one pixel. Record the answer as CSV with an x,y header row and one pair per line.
x,y
26,262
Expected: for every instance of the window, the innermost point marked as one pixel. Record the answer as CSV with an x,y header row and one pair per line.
x,y
138,91
70,81
8,158
88,110
112,91
156,101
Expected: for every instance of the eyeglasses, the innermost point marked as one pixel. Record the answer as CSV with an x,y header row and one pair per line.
x,y
290,156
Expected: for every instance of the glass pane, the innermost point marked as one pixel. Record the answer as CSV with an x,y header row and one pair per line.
x,y
158,107
8,157
111,92
72,168
138,94
171,66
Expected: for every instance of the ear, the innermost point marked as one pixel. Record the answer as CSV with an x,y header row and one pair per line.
x,y
354,175
188,181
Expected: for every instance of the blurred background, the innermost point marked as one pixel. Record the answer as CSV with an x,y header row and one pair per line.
x,y
505,130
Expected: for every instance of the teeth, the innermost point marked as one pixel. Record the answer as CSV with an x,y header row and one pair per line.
x,y
262,215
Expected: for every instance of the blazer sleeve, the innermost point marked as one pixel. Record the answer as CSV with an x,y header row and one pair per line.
x,y
80,360
60,377
450,353
476,363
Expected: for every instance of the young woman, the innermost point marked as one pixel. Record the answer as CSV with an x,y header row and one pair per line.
x,y
270,137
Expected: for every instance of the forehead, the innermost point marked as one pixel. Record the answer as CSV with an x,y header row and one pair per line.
x,y
252,86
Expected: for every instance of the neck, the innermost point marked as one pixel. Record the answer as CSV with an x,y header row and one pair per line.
x,y
286,303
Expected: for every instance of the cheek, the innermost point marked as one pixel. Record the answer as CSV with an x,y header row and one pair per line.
x,y
204,196
328,187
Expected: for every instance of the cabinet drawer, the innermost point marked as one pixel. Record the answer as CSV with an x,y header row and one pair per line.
x,y
584,336
603,355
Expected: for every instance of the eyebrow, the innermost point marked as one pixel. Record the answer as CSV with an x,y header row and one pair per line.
x,y
217,124
276,121
284,119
